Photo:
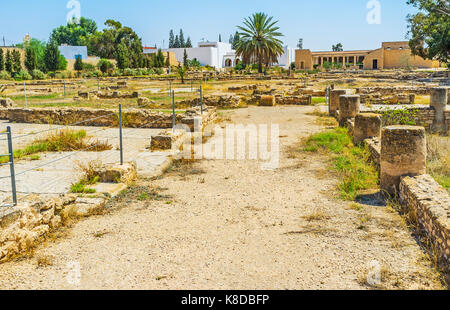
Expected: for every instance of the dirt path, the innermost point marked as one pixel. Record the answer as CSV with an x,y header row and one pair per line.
x,y
230,225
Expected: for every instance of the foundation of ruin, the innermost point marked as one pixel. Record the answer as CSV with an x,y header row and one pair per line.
x,y
367,125
349,107
403,153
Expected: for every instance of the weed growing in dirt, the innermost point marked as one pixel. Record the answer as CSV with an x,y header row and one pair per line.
x,y
66,140
351,162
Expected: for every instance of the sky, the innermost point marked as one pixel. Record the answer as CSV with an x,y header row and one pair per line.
x,y
321,23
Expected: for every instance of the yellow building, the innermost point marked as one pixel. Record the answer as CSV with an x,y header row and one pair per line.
x,y
391,55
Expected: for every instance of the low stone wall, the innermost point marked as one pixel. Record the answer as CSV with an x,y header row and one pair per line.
x,y
132,118
374,146
23,227
386,91
431,203
388,99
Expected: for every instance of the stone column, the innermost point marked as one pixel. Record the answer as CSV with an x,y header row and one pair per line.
x,y
334,100
403,153
349,107
438,101
367,125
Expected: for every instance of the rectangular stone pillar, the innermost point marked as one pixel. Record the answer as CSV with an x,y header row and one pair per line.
x,y
403,153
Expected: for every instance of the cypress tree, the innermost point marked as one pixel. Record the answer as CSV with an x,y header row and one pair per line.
x,y
51,57
9,62
182,42
17,63
30,59
188,43
122,57
171,39
2,60
185,59
176,43
78,66
220,38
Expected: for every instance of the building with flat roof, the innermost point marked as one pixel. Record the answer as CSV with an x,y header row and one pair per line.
x,y
73,52
221,55
391,55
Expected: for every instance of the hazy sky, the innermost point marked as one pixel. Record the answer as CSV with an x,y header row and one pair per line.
x,y
321,23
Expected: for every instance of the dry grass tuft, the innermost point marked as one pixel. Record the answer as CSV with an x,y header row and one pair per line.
x,y
317,215
44,260
438,165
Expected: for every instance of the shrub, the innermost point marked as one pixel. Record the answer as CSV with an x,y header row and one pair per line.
x,y
240,66
4,75
129,72
78,66
22,75
89,67
38,74
61,75
105,66
401,116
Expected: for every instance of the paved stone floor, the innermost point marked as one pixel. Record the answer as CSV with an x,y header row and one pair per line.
x,y
57,177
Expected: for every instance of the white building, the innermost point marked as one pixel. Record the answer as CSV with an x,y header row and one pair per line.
x,y
221,55
73,52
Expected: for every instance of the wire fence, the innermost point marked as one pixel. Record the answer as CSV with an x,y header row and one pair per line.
x,y
105,155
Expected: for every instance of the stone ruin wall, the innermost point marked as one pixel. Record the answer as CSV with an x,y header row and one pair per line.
x,y
421,194
132,118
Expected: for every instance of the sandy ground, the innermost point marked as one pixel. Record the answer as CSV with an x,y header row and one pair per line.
x,y
226,224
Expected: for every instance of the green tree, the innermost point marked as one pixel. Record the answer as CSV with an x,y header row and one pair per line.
x,y
259,41
182,41
17,62
429,30
106,66
122,57
236,39
338,47
62,63
106,44
185,59
38,48
2,60
52,57
31,61
78,66
171,39
220,38
9,64
188,43
159,59
181,73
176,43
73,33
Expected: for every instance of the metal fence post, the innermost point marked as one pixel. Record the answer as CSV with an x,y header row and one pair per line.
x,y
174,119
65,89
11,165
120,134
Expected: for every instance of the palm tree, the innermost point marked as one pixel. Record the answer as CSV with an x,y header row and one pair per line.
x,y
258,41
